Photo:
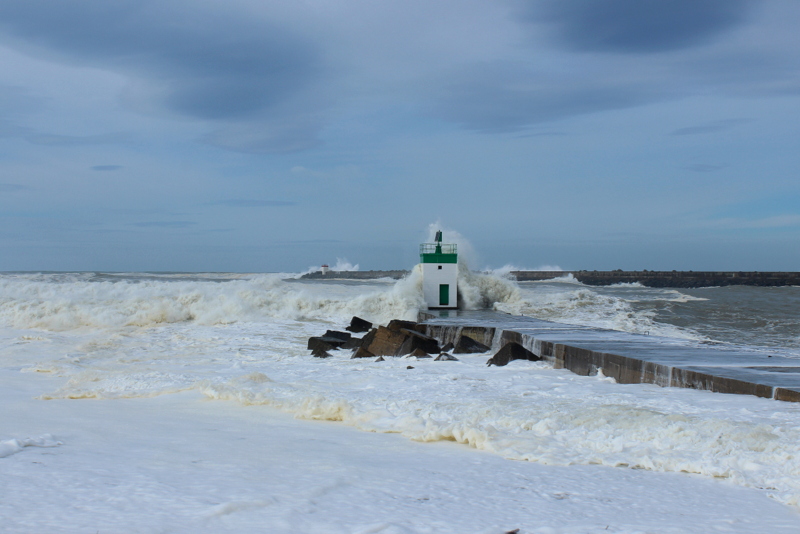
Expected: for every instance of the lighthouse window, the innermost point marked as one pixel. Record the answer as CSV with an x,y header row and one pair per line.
x,y
440,267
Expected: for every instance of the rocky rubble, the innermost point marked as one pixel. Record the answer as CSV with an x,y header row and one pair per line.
x,y
406,338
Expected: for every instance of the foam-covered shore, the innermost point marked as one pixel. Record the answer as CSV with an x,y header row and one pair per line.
x,y
242,340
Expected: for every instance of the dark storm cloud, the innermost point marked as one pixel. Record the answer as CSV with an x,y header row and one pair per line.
x,y
249,203
12,188
638,26
106,168
203,61
711,127
504,98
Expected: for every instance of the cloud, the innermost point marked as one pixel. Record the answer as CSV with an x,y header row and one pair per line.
x,y
164,224
268,136
106,168
776,221
205,61
638,26
704,167
506,97
13,188
711,127
76,140
249,203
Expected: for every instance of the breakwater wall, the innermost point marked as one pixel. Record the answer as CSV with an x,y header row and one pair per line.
x,y
605,278
669,278
629,358
355,275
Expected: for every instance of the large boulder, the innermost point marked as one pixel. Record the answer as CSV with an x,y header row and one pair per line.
x,y
416,341
343,336
467,345
352,343
511,351
385,342
318,344
358,325
396,325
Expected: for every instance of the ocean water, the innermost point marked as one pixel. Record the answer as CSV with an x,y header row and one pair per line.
x,y
101,347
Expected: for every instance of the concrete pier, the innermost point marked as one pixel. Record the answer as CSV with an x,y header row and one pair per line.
x,y
669,278
629,358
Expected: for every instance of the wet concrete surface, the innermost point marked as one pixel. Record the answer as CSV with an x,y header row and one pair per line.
x,y
630,358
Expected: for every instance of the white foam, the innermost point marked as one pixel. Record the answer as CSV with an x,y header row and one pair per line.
x,y
245,341
13,446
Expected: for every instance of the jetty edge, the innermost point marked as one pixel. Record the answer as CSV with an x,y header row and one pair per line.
x,y
677,279
625,357
684,279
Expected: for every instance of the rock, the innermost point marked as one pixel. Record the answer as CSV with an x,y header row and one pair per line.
x,y
467,345
361,352
366,341
414,340
317,344
352,343
358,325
396,324
320,354
419,353
386,342
380,359
444,357
410,367
448,347
344,336
511,351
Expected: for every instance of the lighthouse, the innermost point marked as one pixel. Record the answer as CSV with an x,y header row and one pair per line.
x,y
439,274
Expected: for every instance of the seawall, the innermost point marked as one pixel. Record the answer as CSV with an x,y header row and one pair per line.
x,y
355,275
605,278
669,278
629,358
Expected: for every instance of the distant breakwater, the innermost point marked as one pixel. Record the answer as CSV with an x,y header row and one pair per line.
x,y
669,278
684,279
354,275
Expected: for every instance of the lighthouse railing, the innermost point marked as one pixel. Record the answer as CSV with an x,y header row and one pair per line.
x,y
438,248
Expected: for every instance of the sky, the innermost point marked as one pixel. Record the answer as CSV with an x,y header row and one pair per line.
x,y
263,136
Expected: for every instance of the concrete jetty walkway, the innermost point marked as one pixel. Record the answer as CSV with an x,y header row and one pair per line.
x,y
630,358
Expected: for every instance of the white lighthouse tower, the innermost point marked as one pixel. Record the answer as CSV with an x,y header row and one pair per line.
x,y
439,274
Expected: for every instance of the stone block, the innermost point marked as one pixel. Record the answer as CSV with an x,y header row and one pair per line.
x,y
361,352
419,353
358,325
386,342
317,344
415,341
511,351
395,325
467,345
352,343
335,334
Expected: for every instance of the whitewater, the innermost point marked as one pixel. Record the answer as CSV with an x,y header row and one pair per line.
x,y
142,402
